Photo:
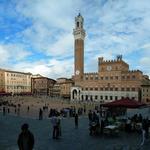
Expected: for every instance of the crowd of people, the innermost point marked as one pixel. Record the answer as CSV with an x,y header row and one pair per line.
x,y
38,107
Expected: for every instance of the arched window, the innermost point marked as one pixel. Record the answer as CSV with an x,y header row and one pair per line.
x,y
86,97
77,24
74,93
82,97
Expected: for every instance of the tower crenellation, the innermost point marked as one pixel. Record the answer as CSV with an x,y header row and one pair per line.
x,y
117,60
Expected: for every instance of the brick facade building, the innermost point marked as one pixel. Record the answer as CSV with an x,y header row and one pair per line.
x,y
62,88
42,85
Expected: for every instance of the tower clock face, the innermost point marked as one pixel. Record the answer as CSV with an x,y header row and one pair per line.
x,y
77,72
109,68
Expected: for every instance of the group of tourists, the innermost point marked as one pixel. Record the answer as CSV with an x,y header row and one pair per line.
x,y
26,138
140,124
137,123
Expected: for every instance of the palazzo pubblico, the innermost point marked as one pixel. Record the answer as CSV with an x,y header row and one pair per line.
x,y
112,81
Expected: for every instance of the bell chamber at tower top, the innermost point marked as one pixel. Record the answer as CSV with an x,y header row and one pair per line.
x,y
79,21
79,32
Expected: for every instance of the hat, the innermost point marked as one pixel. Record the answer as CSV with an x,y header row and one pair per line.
x,y
25,126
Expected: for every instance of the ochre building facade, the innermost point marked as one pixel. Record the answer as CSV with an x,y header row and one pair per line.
x,y
2,81
15,82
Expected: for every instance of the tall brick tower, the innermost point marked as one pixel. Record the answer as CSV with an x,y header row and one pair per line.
x,y
79,35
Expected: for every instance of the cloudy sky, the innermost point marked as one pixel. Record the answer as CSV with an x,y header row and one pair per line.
x,y
36,35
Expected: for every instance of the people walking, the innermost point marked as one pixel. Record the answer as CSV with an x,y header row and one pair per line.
x,y
25,139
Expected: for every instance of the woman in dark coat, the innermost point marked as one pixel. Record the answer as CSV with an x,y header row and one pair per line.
x,y
25,139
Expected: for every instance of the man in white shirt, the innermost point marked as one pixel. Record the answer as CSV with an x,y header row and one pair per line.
x,y
54,121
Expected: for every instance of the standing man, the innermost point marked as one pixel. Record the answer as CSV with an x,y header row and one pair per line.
x,y
143,131
40,114
76,120
54,121
18,111
84,109
28,108
25,138
4,111
102,126
146,128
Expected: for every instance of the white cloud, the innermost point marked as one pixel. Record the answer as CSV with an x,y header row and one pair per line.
x,y
12,51
4,54
51,13
145,65
52,24
146,46
145,61
17,52
63,46
52,68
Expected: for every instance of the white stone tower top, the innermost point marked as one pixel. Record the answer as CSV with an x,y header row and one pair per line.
x,y
79,32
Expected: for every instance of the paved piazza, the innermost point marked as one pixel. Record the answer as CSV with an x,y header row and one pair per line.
x,y
72,139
